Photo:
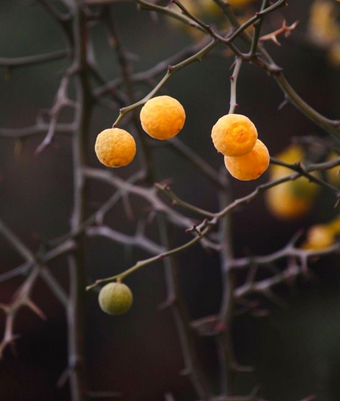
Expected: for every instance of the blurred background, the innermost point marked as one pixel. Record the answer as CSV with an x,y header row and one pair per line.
x,y
296,349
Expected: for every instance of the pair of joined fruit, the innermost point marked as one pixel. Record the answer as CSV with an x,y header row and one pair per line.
x,y
245,156
161,117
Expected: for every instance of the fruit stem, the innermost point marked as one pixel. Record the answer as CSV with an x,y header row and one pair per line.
x,y
233,85
171,70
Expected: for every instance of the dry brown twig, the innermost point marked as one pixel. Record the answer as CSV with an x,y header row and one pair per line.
x,y
286,30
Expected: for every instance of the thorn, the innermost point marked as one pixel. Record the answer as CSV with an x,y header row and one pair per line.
x,y
8,342
185,372
167,304
260,313
169,397
241,368
13,348
283,104
63,378
4,307
220,327
276,299
254,392
304,267
36,309
193,228
309,398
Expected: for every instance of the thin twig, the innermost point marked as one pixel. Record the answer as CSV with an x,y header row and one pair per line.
x,y
33,60
233,85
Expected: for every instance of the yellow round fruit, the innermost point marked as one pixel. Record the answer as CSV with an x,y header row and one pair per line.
x,y
323,25
291,199
234,135
282,202
115,147
302,187
162,117
319,236
115,298
249,166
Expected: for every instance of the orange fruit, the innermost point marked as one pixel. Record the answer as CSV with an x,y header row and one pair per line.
x,y
251,165
162,117
234,135
115,147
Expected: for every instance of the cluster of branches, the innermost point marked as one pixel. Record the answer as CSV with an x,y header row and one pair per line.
x,y
211,230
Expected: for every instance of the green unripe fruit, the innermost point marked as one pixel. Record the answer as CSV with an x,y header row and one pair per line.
x,y
115,298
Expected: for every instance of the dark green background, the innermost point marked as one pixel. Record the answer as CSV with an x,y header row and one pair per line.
x,y
296,350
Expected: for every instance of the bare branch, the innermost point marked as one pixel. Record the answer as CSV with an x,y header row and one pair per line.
x,y
33,60
38,129
137,240
285,29
61,101
193,366
16,243
149,194
21,298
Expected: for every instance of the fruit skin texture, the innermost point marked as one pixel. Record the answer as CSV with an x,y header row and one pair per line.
x,y
115,147
234,135
162,117
115,298
251,165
